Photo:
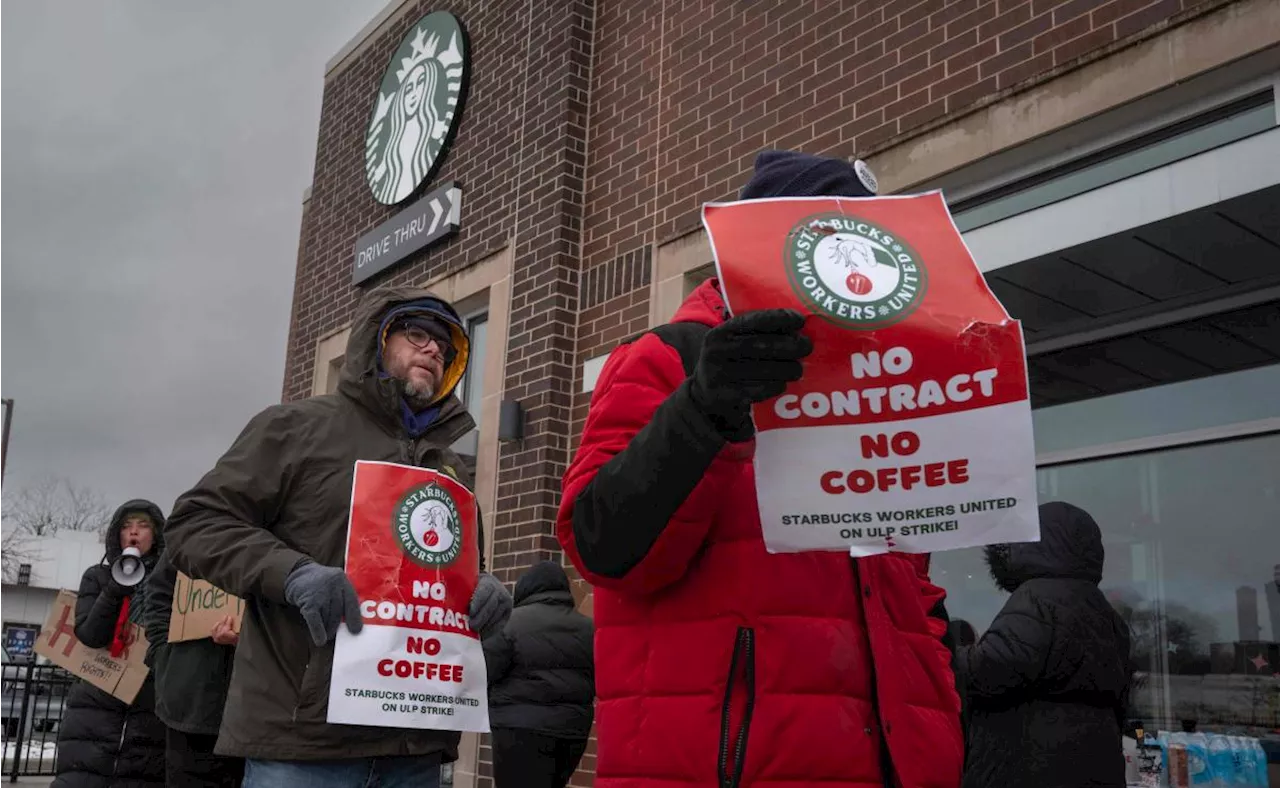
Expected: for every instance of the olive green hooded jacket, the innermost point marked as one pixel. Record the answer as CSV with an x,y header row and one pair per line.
x,y
282,494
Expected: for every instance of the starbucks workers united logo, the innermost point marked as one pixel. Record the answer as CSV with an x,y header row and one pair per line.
x,y
852,272
428,526
417,109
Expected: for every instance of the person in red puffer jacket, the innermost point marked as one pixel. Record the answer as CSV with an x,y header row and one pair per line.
x,y
717,663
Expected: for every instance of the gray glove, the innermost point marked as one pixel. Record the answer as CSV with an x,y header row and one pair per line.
x,y
325,597
490,605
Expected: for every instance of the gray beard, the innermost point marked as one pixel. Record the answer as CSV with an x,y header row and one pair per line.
x,y
418,397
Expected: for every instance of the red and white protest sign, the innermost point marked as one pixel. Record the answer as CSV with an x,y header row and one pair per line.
x,y
911,427
413,557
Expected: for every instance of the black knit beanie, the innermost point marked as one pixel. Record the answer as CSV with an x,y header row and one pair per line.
x,y
784,173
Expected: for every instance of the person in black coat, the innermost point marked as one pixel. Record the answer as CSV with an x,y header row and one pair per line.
x,y
104,742
541,684
1047,683
191,681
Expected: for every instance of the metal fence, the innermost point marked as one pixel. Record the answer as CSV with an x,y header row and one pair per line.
x,y
34,699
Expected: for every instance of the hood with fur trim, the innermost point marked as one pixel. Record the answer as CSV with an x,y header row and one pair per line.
x,y
1070,547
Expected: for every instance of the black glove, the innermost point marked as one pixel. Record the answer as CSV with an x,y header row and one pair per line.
x,y
325,596
749,358
116,591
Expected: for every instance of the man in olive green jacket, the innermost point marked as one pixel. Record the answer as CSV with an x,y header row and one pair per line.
x,y
269,524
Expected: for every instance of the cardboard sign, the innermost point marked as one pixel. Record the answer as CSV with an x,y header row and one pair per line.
x,y
583,598
911,427
122,677
198,607
413,557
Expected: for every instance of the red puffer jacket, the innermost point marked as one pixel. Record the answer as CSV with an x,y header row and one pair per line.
x,y
718,664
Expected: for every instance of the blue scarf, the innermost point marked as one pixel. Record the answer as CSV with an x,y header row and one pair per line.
x,y
416,424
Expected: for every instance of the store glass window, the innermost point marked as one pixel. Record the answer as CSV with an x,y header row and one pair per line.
x,y
1203,403
471,388
1192,535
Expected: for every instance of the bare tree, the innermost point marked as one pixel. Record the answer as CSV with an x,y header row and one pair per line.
x,y
55,504
86,509
33,510
17,549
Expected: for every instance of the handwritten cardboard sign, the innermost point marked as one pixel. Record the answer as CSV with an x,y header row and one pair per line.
x,y
58,643
583,598
198,607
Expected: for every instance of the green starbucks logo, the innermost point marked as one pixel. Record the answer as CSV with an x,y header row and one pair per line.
x,y
428,526
417,109
852,272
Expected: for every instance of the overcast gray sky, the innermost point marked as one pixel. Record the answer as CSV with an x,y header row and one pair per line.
x,y
154,159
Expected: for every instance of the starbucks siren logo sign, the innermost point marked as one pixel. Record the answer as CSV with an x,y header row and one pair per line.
x,y
417,108
852,272
428,526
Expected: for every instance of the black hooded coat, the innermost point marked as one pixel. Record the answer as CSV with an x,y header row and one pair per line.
x,y
541,667
1047,684
104,742
191,677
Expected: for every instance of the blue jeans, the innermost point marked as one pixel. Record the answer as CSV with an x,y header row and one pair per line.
x,y
406,772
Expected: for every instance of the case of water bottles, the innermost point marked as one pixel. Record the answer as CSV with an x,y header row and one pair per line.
x,y
1190,760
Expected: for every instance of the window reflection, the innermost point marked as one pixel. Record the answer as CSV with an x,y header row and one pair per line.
x,y
1177,407
1193,542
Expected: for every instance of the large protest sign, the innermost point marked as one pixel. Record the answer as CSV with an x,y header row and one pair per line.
x,y
198,607
911,427
413,557
121,677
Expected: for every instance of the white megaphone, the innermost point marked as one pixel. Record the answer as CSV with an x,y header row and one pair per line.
x,y
128,570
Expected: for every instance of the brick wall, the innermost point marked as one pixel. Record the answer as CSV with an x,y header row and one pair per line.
x,y
544,304
675,127
682,100
519,154
485,155
594,131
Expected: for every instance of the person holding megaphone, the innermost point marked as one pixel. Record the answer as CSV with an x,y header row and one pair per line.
x,y
103,741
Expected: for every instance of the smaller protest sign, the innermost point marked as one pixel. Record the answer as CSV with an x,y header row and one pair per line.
x,y
198,607
910,429
583,598
413,557
121,677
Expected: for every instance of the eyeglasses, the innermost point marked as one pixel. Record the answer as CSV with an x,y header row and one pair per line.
x,y
420,338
